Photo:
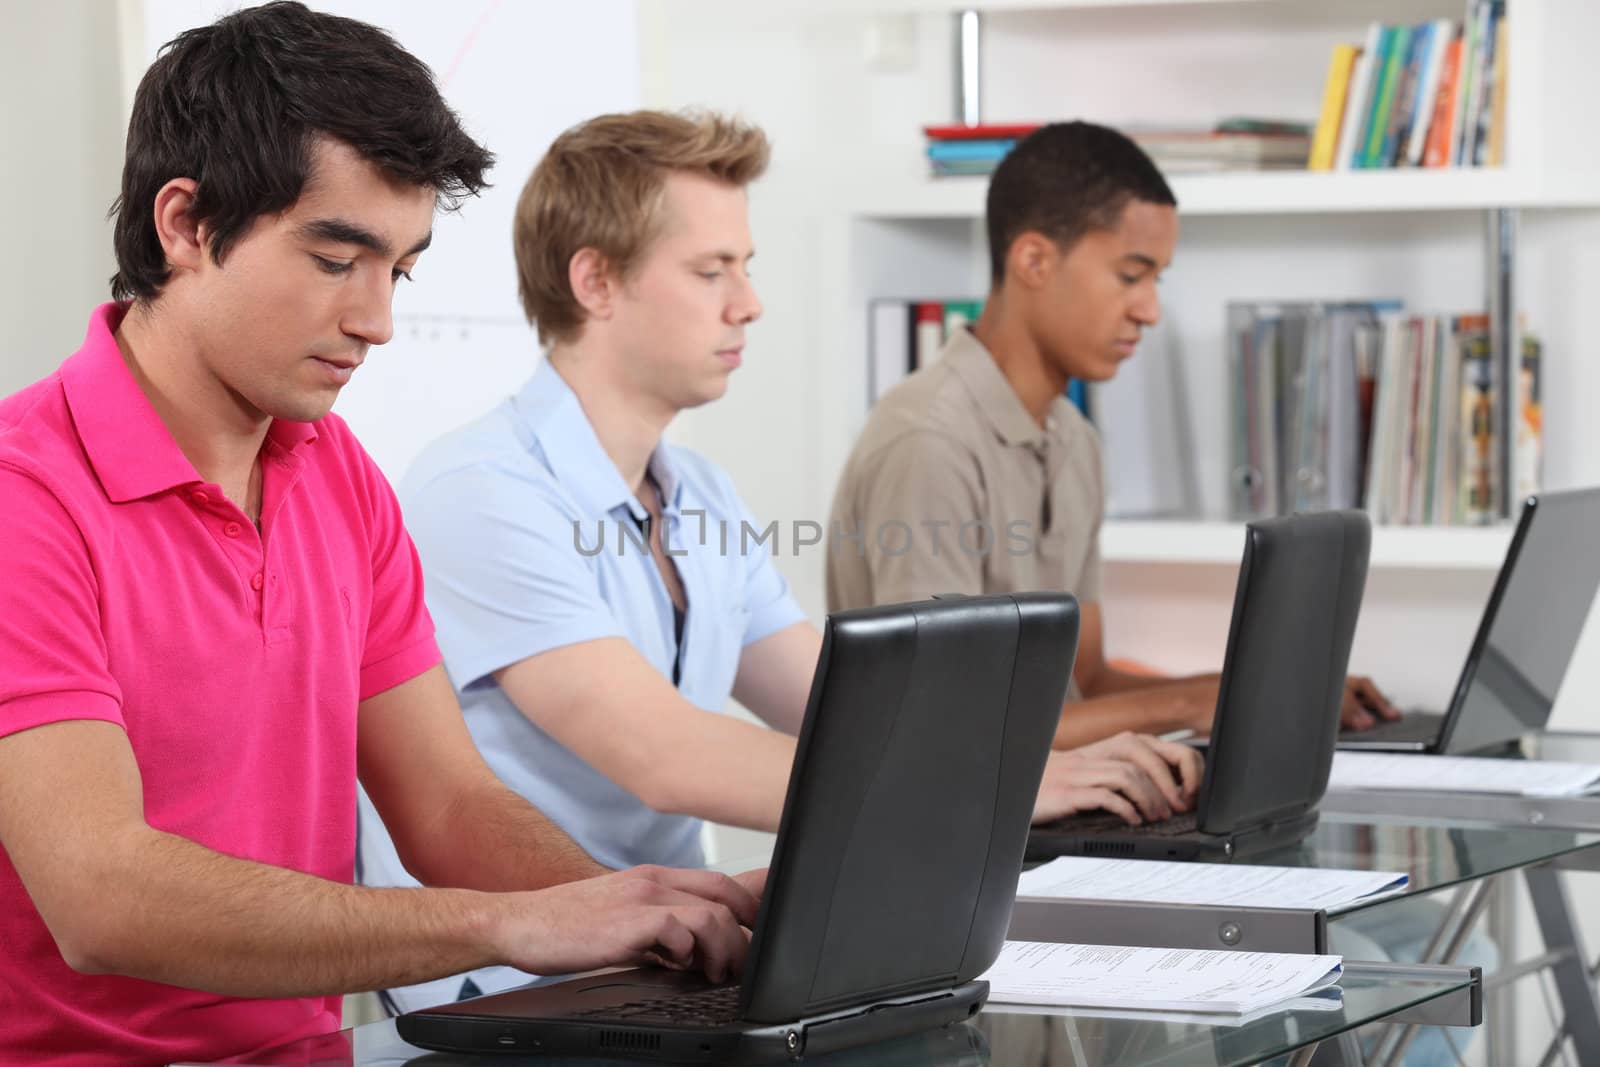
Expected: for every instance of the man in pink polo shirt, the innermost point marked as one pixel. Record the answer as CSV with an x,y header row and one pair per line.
x,y
211,617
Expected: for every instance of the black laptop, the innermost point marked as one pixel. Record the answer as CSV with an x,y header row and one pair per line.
x,y
1525,639
1294,617
896,862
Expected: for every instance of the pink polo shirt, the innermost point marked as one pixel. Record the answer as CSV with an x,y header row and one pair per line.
x,y
135,593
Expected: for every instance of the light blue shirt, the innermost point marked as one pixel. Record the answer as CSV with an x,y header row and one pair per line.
x,y
530,540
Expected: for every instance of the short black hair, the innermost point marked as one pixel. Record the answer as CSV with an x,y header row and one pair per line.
x,y
1064,180
239,105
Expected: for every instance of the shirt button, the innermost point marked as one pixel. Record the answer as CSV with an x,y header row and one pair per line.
x,y
231,529
200,497
257,581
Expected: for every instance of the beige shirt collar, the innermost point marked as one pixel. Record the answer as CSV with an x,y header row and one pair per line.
x,y
997,400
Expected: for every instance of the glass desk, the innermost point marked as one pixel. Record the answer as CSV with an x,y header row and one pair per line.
x,y
1436,857
1488,809
1007,1039
1517,816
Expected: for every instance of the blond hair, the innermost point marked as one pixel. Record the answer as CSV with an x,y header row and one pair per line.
x,y
601,186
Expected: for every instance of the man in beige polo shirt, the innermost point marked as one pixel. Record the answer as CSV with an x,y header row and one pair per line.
x,y
977,475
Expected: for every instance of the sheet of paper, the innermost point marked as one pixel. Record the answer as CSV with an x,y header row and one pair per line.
x,y
1239,885
1154,979
1463,774
1329,999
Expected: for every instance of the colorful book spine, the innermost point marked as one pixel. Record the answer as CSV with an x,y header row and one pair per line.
x,y
1396,50
1485,93
1471,73
1378,39
1440,130
1325,141
1496,151
929,333
1528,450
1078,394
1440,34
1397,134
1477,420
961,150
959,314
1358,103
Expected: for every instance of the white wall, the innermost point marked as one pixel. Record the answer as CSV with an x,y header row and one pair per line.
x,y
517,74
60,158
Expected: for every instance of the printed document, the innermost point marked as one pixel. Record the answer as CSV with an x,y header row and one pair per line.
x,y
1463,774
1222,884
1154,979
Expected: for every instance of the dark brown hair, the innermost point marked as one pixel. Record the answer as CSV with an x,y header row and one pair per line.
x,y
238,106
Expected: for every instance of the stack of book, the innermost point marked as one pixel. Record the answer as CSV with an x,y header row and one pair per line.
x,y
1362,405
954,151
1432,95
1233,144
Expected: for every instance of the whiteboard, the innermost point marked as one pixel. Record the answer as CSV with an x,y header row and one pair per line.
x,y
518,72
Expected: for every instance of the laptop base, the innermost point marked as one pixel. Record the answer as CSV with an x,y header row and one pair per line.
x,y
572,1019
1134,843
1415,731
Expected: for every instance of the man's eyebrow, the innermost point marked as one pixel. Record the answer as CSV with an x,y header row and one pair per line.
x,y
344,232
725,256
1142,259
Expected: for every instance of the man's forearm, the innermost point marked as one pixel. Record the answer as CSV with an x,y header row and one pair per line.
x,y
723,770
494,840
181,914
1155,709
1110,681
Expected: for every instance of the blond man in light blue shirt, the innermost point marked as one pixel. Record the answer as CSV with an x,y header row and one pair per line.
x,y
597,594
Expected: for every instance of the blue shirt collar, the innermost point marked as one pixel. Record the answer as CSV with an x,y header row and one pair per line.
x,y
551,413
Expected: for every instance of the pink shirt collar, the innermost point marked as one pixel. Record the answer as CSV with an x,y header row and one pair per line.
x,y
129,447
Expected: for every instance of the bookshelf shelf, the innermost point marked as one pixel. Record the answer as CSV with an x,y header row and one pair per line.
x,y
1448,548
1265,193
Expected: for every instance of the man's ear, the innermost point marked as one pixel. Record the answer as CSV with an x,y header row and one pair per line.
x,y
593,282
1032,259
183,240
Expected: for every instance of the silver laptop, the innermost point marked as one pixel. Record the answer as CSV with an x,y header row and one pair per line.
x,y
1525,640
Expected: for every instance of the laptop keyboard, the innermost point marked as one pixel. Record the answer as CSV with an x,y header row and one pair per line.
x,y
1413,726
1105,822
716,1006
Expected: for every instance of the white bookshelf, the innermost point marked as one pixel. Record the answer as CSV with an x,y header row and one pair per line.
x,y
1156,541
900,233
911,196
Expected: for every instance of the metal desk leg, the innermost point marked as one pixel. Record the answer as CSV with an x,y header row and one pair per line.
x,y
1500,1035
1578,1002
1301,1057
1442,947
1342,1051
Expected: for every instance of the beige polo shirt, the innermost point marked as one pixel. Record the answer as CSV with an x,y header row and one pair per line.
x,y
954,488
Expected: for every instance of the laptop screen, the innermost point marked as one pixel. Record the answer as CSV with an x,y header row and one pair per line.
x,y
1510,683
